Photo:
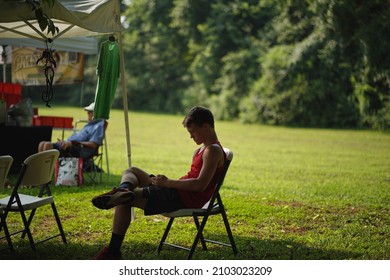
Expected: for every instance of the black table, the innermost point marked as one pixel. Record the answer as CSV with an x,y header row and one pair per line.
x,y
21,142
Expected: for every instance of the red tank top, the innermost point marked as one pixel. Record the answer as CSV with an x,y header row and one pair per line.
x,y
193,199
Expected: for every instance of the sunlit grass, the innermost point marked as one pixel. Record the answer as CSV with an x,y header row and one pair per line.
x,y
291,193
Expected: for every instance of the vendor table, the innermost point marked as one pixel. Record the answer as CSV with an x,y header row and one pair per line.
x,y
21,142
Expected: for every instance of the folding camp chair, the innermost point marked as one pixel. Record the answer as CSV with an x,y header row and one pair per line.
x,y
93,166
37,170
5,165
213,207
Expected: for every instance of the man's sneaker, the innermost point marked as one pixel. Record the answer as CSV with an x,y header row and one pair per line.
x,y
116,196
105,254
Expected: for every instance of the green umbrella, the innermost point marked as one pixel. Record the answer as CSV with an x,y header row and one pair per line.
x,y
108,70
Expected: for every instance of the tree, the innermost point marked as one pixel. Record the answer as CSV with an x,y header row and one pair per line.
x,y
155,56
289,62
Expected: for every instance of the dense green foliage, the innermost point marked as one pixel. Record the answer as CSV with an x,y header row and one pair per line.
x,y
313,63
308,63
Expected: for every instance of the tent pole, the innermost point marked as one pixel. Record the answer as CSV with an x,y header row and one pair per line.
x,y
4,58
124,96
81,94
4,69
125,107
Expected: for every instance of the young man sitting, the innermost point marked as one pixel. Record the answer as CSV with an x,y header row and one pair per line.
x,y
159,194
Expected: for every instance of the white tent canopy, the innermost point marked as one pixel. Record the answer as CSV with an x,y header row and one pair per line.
x,y
74,19
86,45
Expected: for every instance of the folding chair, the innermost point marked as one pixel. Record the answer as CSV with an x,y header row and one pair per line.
x,y
213,207
3,226
94,172
5,165
37,170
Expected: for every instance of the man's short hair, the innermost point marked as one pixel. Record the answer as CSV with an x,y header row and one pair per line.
x,y
198,116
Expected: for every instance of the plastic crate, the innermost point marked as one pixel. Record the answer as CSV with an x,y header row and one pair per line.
x,y
62,122
12,93
57,122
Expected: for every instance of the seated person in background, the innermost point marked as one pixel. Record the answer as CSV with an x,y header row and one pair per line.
x,y
83,143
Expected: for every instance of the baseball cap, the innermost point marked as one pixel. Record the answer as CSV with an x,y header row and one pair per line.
x,y
90,107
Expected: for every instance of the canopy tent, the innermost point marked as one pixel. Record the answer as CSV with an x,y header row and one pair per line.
x,y
73,19
87,45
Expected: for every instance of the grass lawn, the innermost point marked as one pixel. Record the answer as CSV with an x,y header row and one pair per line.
x,y
290,193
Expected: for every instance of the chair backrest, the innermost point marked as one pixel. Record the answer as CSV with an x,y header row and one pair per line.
x,y
229,158
104,135
5,165
105,129
39,168
105,124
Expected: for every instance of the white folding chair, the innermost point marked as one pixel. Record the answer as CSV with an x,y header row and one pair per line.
x,y
37,170
213,207
5,165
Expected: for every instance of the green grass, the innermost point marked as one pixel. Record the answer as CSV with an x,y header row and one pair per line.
x,y
291,193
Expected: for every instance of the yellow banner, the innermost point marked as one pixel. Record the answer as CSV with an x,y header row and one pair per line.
x,y
25,70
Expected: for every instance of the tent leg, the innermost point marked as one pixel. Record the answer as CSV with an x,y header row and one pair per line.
x,y
125,107
124,97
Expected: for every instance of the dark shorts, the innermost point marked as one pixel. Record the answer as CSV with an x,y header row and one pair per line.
x,y
75,151
161,200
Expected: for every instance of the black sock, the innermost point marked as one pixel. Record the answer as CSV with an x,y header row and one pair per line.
x,y
115,243
127,185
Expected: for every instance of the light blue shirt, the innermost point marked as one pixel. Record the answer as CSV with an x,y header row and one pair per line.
x,y
91,132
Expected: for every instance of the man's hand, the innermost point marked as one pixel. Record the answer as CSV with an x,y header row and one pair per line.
x,y
160,180
65,145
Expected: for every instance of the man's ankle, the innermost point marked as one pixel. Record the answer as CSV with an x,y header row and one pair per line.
x,y
127,185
